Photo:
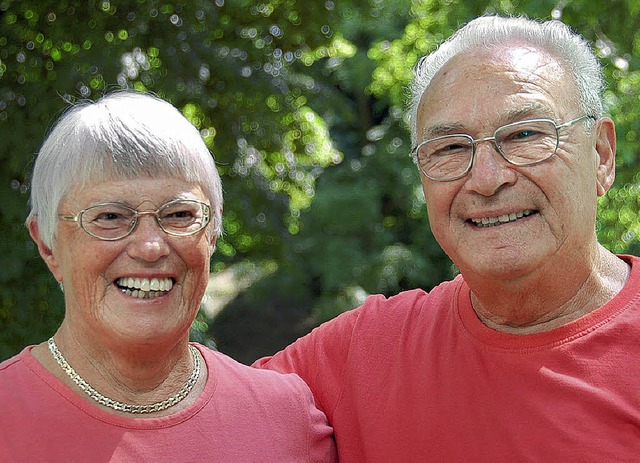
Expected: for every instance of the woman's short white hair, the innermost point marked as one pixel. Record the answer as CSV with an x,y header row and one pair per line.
x,y
490,31
123,135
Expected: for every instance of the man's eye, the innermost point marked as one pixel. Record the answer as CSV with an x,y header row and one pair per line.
x,y
450,149
455,146
525,133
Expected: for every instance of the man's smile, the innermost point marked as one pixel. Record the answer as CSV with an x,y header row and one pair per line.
x,y
501,219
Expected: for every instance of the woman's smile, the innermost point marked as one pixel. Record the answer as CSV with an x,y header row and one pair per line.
x,y
144,288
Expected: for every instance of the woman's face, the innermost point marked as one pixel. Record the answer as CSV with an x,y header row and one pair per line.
x,y
103,280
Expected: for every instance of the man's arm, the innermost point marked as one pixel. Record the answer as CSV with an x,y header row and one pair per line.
x,y
319,358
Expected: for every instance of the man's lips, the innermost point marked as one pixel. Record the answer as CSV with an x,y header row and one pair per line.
x,y
500,219
144,288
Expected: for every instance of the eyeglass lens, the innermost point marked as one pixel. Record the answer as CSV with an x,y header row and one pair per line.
x,y
112,220
521,143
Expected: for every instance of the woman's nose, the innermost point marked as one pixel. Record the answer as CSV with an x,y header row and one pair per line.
x,y
148,241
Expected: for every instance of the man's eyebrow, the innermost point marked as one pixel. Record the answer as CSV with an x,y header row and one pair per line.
x,y
529,111
442,129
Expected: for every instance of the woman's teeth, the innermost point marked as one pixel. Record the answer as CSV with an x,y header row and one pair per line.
x,y
144,288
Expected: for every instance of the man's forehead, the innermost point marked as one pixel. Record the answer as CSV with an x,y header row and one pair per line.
x,y
519,57
510,83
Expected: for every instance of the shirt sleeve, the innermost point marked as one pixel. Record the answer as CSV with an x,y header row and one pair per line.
x,y
321,357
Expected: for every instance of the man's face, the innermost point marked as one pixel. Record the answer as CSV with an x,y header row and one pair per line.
x,y
551,206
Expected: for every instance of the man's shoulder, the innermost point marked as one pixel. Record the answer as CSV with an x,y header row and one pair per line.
x,y
381,313
406,303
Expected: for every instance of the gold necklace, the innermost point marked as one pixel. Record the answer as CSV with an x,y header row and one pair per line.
x,y
120,406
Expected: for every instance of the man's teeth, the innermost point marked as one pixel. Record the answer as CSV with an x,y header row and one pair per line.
x,y
143,288
492,221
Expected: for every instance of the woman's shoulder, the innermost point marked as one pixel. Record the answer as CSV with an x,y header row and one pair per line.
x,y
15,366
6,365
281,396
238,375
279,407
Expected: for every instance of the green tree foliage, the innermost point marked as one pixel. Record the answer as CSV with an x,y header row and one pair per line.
x,y
302,105
233,67
367,226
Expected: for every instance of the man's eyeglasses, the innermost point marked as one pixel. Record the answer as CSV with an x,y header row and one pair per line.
x,y
114,221
522,143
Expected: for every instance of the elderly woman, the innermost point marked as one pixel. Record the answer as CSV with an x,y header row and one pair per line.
x,y
126,208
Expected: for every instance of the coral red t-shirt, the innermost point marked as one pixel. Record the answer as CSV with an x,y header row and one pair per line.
x,y
418,377
242,415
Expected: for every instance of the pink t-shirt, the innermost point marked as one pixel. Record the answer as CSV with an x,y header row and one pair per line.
x,y
241,416
417,377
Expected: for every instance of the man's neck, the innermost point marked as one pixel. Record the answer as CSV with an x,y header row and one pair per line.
x,y
526,305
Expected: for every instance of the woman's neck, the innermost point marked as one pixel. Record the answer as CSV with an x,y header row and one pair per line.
x,y
132,376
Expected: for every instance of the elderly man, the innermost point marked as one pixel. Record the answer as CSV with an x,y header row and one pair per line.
x,y
531,354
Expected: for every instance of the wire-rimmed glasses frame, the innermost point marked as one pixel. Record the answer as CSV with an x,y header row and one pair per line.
x,y
113,221
446,147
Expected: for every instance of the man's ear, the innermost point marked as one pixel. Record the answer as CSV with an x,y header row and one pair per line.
x,y
45,251
606,149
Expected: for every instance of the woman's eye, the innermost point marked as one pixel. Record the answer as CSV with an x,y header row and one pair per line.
x,y
178,215
109,216
104,217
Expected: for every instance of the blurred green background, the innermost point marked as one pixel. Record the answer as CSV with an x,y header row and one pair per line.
x,y
301,103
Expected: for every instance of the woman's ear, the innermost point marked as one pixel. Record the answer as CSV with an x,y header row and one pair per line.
x,y
214,238
45,251
212,245
606,149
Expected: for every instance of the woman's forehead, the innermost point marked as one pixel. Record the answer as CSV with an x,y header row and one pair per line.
x,y
135,191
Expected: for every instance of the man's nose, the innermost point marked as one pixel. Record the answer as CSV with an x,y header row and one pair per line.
x,y
489,171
